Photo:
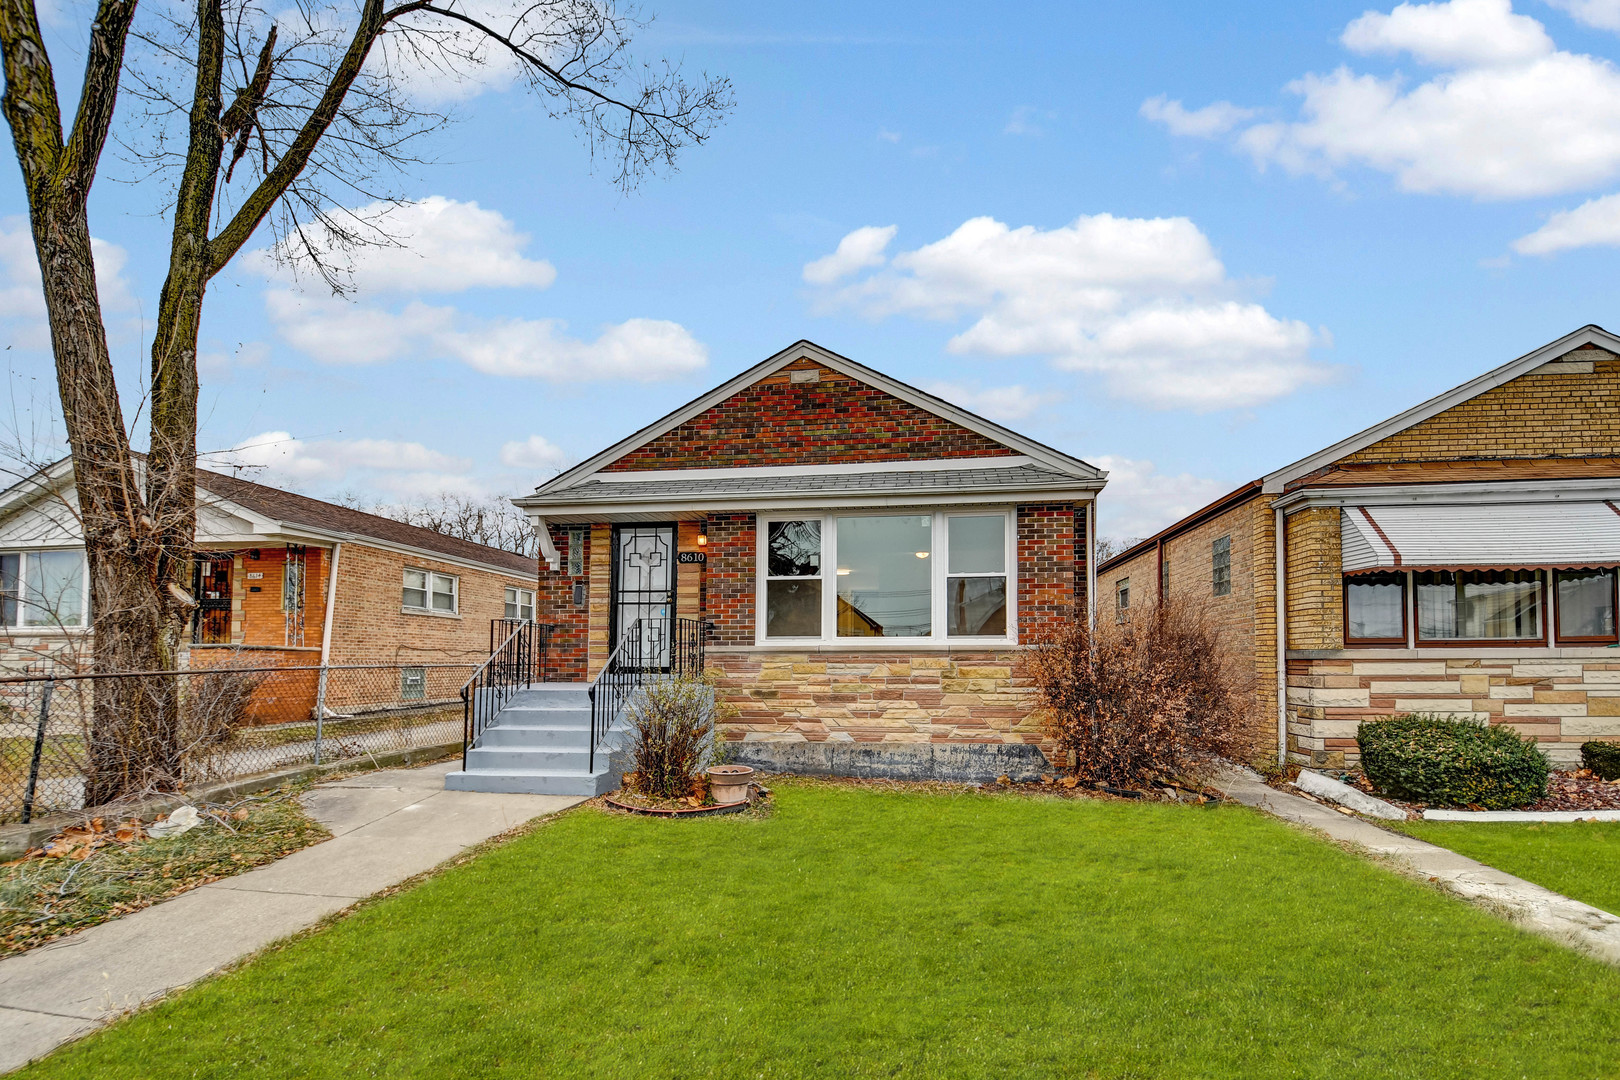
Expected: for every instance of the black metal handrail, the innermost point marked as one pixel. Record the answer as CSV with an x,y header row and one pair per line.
x,y
630,665
518,655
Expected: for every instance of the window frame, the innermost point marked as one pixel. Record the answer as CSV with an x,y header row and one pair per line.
x,y
59,626
939,554
1122,598
1542,600
1557,611
518,603
455,593
1406,613
1219,585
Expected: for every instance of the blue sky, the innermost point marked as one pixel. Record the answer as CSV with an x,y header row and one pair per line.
x,y
1189,243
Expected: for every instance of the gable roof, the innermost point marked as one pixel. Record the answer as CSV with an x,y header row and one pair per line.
x,y
273,505
294,509
1591,334
1039,453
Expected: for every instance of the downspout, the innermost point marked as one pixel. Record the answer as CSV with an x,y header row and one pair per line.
x,y
1091,567
331,598
1281,561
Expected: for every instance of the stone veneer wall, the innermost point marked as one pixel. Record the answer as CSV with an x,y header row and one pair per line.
x,y
1561,697
868,696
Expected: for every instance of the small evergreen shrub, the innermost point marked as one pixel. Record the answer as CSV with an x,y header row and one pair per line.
x,y
1602,758
1441,762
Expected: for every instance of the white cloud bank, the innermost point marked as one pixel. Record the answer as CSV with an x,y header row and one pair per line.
x,y
1591,224
405,469
535,452
1145,303
1602,14
1140,500
1000,403
442,247
1508,116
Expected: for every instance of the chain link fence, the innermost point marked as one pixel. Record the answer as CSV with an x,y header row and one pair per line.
x,y
233,722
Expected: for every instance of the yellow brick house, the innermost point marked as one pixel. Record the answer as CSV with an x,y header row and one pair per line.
x,y
1458,558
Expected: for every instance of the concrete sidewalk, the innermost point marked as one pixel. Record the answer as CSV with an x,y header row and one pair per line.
x,y
1541,911
387,826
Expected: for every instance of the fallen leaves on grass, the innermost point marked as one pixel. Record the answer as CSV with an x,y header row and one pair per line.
x,y
92,872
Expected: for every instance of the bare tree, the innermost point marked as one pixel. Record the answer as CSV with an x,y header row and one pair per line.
x,y
1109,546
252,117
493,522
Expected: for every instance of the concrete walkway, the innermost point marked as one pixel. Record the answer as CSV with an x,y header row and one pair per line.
x,y
1540,911
386,826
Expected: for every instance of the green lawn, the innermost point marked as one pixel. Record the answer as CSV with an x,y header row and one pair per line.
x,y
1579,859
865,932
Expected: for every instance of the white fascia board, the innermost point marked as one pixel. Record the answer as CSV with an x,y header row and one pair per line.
x,y
573,513
805,350
843,469
45,481
1477,494
1587,335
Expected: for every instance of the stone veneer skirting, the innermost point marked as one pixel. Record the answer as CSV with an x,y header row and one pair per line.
x,y
1561,697
866,696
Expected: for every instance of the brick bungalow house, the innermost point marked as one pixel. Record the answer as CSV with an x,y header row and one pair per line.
x,y
282,581
869,556
1459,558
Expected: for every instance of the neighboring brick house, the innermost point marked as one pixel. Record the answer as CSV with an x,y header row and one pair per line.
x,y
268,595
1459,558
870,558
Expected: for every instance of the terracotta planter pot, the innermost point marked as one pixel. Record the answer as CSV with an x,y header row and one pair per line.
x,y
729,783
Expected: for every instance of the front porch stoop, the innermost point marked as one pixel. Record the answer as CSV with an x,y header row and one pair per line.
x,y
539,744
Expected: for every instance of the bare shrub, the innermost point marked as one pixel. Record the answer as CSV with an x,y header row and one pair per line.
x,y
673,736
1150,698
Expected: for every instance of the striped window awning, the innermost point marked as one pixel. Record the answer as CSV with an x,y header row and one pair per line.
x,y
1490,535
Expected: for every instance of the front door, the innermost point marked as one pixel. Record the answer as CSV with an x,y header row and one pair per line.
x,y
644,588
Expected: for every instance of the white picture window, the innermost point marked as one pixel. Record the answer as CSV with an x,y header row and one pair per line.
x,y
41,589
520,604
906,576
430,592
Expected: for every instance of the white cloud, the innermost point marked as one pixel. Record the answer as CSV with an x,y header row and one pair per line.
x,y
404,468
1213,119
1509,117
1144,302
22,296
1593,223
447,246
1139,500
535,452
1603,14
1461,33
644,350
857,251
1003,403
436,245
1026,119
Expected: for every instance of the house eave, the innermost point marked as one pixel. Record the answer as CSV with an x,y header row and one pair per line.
x,y
1478,493
675,506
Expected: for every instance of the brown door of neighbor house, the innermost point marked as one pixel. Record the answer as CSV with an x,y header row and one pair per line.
x,y
212,587
644,589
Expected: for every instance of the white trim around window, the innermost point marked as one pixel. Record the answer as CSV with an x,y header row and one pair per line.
x,y
44,589
519,604
427,592
821,571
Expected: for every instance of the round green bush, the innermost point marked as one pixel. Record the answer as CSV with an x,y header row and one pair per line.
x,y
1441,762
1602,758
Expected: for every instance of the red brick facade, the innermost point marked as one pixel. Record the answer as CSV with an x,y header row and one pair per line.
x,y
568,650
836,419
728,579
1051,568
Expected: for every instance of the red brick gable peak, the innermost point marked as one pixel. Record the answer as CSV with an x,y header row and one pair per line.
x,y
807,413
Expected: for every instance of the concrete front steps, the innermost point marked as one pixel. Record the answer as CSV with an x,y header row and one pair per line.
x,y
539,744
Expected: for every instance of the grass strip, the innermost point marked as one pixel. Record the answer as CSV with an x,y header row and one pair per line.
x,y
1580,859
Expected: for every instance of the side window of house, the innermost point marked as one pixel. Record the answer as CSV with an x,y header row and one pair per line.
x,y
520,604
576,552
42,588
1122,598
1221,574
412,683
427,591
976,575
793,579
